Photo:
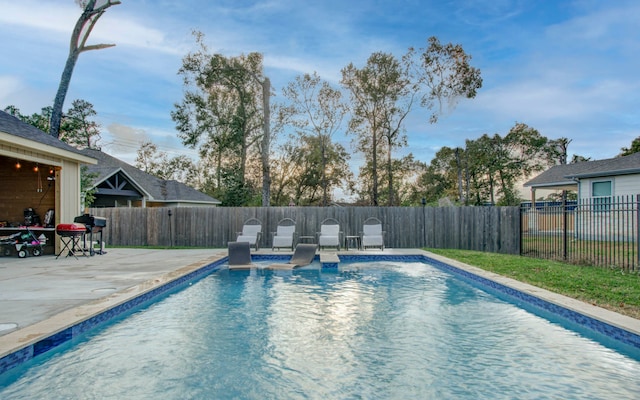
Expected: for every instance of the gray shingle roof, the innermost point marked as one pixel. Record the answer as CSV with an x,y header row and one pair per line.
x,y
14,126
559,175
157,189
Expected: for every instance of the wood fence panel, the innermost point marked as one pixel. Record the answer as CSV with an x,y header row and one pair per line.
x,y
492,229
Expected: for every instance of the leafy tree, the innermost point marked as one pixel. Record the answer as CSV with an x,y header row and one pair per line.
x,y
77,128
488,168
87,20
87,191
158,163
406,171
297,177
439,178
149,160
634,148
377,90
224,106
40,121
318,110
384,92
81,130
576,158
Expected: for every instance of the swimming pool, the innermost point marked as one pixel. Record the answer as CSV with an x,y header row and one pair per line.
x,y
378,329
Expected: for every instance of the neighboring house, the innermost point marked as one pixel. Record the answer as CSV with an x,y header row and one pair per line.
x,y
40,172
600,179
119,184
607,192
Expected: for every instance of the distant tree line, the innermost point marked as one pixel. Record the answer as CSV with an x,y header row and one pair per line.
x,y
251,147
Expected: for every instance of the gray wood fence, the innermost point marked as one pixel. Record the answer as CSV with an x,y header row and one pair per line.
x,y
490,229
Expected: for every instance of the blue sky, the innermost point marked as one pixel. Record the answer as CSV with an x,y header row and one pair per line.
x,y
566,68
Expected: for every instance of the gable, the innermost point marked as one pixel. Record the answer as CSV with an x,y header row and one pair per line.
x,y
118,184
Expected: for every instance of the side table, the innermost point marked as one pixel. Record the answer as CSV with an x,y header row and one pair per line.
x,y
352,239
306,239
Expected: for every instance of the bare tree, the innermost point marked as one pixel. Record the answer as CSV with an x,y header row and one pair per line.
x,y
87,20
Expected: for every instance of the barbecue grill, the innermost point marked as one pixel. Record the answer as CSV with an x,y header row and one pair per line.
x,y
70,235
92,225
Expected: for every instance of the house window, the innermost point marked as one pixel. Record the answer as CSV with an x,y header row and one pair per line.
x,y
601,193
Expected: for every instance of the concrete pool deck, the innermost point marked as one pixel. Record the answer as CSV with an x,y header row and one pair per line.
x,y
41,295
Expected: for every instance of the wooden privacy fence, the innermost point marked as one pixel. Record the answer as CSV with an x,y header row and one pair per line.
x,y
491,229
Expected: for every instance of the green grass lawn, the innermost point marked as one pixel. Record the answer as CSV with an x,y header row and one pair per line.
x,y
608,288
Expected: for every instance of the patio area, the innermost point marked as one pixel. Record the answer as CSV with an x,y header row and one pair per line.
x,y
34,289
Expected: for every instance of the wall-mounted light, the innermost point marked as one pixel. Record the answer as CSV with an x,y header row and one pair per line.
x,y
18,165
36,168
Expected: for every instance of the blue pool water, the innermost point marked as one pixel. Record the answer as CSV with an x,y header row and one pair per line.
x,y
368,330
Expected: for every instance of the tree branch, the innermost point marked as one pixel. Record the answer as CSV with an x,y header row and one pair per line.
x,y
96,47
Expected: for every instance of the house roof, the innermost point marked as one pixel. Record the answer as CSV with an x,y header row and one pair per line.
x,y
15,127
154,188
566,176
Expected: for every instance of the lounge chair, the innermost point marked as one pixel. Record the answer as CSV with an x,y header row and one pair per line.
x,y
329,235
284,235
251,232
239,255
303,255
372,234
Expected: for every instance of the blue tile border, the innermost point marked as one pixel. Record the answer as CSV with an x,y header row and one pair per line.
x,y
600,327
27,353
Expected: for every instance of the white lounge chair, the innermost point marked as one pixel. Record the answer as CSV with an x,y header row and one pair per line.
x,y
251,232
329,235
372,234
284,235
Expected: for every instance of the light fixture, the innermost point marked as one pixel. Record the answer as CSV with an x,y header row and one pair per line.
x,y
18,166
36,168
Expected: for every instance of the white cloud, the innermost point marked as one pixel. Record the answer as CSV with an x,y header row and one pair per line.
x,y
56,17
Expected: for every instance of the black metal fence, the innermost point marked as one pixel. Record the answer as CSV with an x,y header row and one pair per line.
x,y
600,231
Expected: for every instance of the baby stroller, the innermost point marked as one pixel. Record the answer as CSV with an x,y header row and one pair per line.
x,y
23,242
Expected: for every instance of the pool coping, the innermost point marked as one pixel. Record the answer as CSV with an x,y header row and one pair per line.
x,y
22,345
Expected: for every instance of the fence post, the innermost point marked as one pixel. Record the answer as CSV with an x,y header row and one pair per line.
x,y
521,208
564,225
637,232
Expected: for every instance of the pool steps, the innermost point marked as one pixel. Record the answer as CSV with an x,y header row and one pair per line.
x,y
329,260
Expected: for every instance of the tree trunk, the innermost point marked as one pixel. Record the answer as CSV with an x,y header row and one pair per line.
x,y
324,170
374,168
266,172
65,80
459,175
79,36
390,172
